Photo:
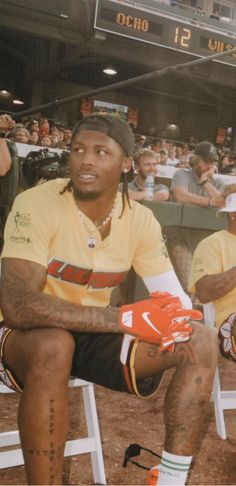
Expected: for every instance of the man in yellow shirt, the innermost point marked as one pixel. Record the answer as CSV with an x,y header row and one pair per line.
x,y
68,243
213,275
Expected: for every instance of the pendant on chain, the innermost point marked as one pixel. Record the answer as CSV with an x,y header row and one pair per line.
x,y
91,241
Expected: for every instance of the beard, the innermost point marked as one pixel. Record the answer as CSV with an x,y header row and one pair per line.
x,y
86,196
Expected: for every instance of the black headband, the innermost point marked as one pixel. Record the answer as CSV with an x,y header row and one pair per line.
x,y
112,126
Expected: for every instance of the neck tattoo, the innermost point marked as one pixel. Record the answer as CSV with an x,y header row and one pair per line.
x,y
91,241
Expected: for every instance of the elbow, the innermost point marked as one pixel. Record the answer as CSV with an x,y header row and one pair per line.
x,y
165,196
11,316
11,320
202,297
179,198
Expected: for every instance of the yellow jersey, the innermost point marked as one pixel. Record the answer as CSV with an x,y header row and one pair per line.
x,y
216,254
45,227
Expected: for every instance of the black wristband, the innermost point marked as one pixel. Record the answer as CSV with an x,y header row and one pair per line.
x,y
2,134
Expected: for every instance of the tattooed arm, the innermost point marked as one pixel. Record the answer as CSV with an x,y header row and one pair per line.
x,y
5,157
215,286
25,306
6,123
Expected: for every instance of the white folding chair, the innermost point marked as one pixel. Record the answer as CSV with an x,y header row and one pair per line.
x,y
91,444
223,400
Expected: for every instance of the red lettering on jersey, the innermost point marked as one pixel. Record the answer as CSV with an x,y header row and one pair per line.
x,y
101,280
54,267
71,273
83,276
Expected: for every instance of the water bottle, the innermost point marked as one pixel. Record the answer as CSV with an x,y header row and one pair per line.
x,y
149,187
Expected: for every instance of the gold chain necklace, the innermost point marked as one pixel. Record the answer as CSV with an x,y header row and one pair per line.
x,y
91,237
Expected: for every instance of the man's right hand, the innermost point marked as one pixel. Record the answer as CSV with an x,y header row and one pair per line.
x,y
207,174
6,123
160,319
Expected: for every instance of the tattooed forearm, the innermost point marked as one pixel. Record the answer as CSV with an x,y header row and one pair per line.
x,y
25,306
153,350
213,287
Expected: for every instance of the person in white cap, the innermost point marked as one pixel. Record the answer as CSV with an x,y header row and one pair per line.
x,y
213,275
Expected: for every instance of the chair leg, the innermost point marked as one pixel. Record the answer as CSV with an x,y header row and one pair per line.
x,y
218,407
99,475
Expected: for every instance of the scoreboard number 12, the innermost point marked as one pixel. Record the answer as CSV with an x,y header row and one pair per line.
x,y
182,36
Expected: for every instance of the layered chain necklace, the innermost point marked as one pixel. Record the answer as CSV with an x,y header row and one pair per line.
x,y
91,242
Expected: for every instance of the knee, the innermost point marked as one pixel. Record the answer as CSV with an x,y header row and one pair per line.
x,y
50,355
204,346
201,350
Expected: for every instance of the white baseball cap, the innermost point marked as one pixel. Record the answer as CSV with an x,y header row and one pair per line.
x,y
230,204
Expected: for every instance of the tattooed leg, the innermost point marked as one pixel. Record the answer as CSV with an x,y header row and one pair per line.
x,y
41,359
189,390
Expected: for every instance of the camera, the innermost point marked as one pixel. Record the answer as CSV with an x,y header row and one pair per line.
x,y
44,164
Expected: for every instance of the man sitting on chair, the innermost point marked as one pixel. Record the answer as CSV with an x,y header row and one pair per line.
x,y
68,243
213,275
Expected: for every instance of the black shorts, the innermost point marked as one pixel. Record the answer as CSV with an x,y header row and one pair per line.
x,y
97,359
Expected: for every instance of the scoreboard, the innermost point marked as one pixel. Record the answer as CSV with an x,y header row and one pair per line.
x,y
161,31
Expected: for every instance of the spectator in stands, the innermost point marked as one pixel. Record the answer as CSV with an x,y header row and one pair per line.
x,y
43,127
34,137
213,275
6,124
164,144
225,165
54,129
179,151
19,134
146,163
67,137
187,152
141,140
55,138
197,185
33,125
163,156
172,159
61,144
156,146
45,141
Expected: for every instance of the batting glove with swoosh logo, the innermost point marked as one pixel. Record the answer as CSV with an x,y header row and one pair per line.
x,y
160,320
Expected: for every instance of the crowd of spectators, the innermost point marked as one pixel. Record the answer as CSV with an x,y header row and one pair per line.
x,y
179,154
41,132
47,133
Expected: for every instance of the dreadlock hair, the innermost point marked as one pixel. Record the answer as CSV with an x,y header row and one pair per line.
x,y
125,190
68,187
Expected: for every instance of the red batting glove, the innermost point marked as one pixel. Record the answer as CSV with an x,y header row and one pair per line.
x,y
160,319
